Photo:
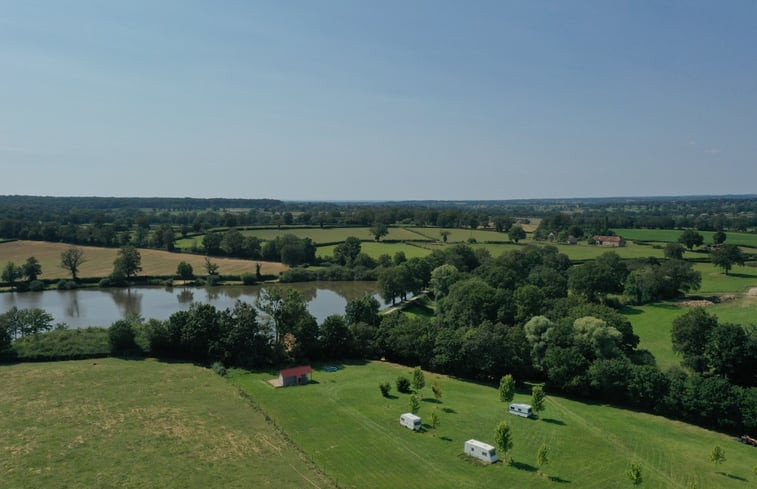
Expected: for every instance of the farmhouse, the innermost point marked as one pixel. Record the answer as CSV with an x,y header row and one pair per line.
x,y
481,451
295,375
609,241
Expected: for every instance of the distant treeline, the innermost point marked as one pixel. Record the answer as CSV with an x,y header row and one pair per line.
x,y
157,222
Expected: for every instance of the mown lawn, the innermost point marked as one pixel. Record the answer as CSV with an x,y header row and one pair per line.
x,y
739,279
99,261
354,435
111,423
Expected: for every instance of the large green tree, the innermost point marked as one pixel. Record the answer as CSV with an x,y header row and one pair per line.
x,y
71,259
691,238
11,273
516,234
378,230
346,252
690,333
31,269
727,255
128,262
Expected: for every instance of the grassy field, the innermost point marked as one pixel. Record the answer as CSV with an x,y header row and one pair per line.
x,y
460,235
581,251
653,323
374,249
353,434
672,235
739,280
112,423
99,261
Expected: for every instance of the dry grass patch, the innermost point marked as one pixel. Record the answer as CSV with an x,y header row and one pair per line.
x,y
99,261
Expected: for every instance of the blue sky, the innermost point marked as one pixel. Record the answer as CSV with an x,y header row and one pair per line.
x,y
344,100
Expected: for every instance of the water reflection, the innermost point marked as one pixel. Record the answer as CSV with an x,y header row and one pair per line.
x,y
185,296
96,307
129,300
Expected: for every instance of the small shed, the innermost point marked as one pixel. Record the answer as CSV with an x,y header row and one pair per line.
x,y
480,450
295,375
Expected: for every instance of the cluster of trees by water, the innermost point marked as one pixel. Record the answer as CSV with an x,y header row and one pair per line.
x,y
529,313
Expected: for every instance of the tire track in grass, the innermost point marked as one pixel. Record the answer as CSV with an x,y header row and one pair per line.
x,y
613,440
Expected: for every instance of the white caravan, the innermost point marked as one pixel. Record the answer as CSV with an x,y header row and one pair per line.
x,y
523,410
481,451
411,421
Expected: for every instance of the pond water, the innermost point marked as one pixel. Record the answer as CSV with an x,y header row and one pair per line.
x,y
101,307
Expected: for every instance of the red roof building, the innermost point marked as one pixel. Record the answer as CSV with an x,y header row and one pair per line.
x,y
295,375
611,241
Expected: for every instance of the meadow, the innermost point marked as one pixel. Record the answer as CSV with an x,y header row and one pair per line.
x,y
672,235
374,250
112,423
352,433
99,261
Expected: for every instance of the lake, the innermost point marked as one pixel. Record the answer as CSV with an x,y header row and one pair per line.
x,y
101,307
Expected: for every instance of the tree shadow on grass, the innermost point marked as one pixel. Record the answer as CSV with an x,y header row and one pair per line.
x,y
557,479
449,410
445,438
432,400
731,476
553,421
523,466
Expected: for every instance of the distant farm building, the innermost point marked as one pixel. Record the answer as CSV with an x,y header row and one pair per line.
x,y
295,375
481,451
572,240
609,241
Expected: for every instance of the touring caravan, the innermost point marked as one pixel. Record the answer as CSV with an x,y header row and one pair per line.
x,y
410,421
523,410
481,451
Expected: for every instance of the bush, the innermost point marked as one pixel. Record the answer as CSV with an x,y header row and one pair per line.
x,y
66,285
249,278
104,283
63,344
218,368
403,385
213,280
121,338
385,388
36,286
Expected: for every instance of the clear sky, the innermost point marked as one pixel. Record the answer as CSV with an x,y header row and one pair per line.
x,y
387,100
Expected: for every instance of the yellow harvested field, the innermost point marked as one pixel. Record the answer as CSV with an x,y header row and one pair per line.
x,y
99,261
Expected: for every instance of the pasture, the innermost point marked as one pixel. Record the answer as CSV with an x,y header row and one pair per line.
x,y
374,250
99,261
113,423
672,235
714,281
581,251
352,433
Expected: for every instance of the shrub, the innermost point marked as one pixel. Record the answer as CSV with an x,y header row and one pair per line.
x,y
121,338
248,278
213,280
385,388
403,385
66,285
104,283
218,368
36,286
